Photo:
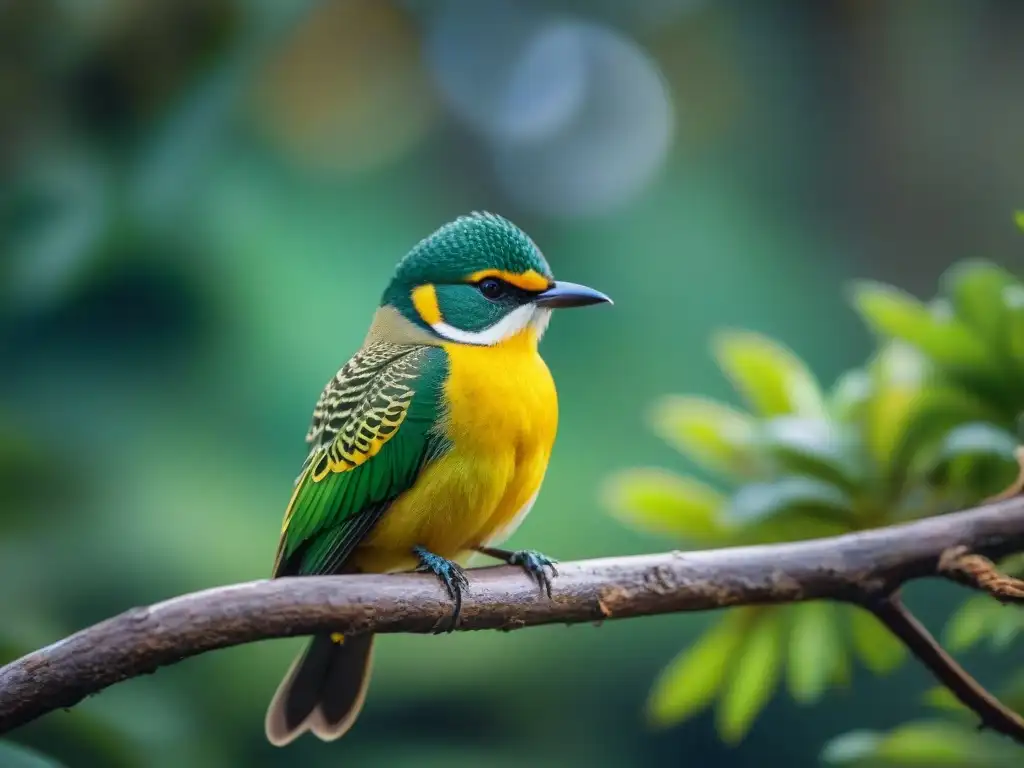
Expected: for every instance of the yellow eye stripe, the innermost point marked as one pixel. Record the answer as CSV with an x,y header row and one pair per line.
x,y
424,297
530,280
424,300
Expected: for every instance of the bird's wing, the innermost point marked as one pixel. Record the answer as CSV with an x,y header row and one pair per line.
x,y
373,430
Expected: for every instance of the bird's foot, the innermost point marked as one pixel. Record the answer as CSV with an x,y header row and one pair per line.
x,y
531,561
535,563
451,575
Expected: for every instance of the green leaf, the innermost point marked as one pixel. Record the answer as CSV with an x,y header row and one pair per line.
x,y
665,503
1013,301
852,747
816,447
850,395
16,756
813,647
941,308
772,379
898,374
897,363
842,669
754,678
1006,627
793,495
971,622
895,314
941,698
883,426
691,680
977,459
710,433
927,417
878,650
976,288
932,744
979,439
1012,564
1018,217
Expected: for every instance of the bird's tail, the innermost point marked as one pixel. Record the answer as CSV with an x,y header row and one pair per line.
x,y
323,690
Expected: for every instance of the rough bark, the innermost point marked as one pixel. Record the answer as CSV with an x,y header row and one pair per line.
x,y
865,568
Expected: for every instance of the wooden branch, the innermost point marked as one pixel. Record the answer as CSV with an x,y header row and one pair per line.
x,y
891,612
863,568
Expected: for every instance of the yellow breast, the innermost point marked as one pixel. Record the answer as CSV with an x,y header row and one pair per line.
x,y
501,399
501,420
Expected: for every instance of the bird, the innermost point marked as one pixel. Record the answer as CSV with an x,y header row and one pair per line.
x,y
427,448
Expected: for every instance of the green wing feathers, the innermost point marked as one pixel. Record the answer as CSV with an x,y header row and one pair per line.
x,y
373,430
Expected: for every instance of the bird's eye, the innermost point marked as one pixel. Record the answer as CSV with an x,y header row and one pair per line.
x,y
491,288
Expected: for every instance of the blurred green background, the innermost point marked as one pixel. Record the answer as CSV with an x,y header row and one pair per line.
x,y
201,201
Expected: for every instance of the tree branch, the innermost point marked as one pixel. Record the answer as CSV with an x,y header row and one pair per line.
x,y
891,612
863,568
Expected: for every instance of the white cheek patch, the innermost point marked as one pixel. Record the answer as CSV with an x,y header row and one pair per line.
x,y
511,324
539,321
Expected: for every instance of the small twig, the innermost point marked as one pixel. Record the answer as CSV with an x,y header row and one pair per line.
x,y
863,568
995,715
980,573
1016,488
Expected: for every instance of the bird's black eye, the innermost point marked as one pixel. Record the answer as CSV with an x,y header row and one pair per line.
x,y
491,288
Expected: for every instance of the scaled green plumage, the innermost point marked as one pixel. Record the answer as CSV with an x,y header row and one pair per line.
x,y
340,492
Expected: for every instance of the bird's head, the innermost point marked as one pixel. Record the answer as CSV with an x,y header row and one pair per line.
x,y
479,280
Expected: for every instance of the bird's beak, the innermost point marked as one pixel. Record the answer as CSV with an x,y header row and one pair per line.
x,y
563,294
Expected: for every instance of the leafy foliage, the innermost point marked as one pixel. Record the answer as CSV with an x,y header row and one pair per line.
x,y
950,740
971,339
802,462
928,425
926,743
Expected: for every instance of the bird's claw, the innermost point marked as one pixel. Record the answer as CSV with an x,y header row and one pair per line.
x,y
534,563
451,574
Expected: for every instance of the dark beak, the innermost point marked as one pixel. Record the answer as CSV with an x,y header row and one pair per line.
x,y
563,294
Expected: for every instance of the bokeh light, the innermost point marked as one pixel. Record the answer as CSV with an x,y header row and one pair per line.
x,y
201,202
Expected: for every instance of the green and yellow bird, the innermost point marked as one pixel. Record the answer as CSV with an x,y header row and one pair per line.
x,y
428,446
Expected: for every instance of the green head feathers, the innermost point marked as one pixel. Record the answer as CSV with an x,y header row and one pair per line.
x,y
479,280
468,245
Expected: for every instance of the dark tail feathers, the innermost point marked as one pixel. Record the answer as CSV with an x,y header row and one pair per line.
x,y
323,691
